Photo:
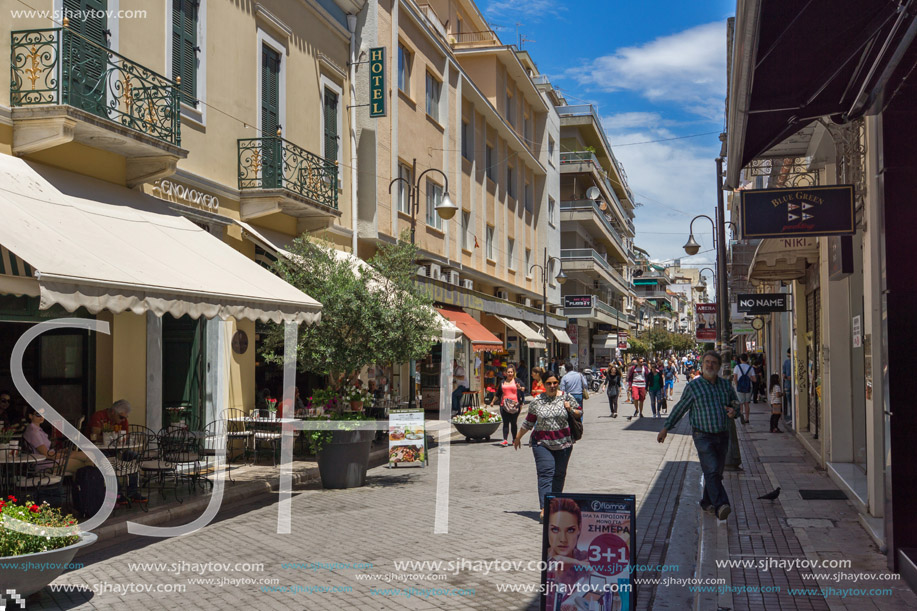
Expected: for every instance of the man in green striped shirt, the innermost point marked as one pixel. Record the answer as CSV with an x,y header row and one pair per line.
x,y
708,400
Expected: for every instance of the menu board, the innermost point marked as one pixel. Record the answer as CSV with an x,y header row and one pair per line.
x,y
406,439
588,548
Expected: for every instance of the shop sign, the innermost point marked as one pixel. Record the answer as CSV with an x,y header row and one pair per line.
x,y
606,542
406,442
180,194
578,301
573,333
857,332
705,317
811,211
377,82
840,257
762,303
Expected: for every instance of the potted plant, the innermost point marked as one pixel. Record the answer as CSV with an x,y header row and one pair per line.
x,y
357,398
477,423
342,452
49,555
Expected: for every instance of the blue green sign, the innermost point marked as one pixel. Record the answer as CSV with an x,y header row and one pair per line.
x,y
377,82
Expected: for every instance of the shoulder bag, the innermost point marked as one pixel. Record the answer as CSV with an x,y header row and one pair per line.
x,y
575,423
585,388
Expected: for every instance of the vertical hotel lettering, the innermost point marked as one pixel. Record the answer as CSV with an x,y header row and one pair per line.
x,y
377,82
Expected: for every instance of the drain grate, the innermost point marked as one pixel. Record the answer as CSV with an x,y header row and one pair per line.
x,y
822,495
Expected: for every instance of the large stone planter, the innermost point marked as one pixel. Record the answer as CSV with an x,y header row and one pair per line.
x,y
479,430
343,461
28,582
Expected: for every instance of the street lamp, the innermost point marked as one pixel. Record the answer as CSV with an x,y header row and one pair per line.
x,y
561,279
445,209
692,248
712,273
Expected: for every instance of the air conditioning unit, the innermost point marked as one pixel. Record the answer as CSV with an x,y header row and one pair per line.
x,y
501,294
436,271
423,271
528,302
452,277
468,284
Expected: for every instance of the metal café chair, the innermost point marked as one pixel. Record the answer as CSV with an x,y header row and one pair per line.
x,y
180,448
39,479
152,463
266,431
212,440
126,454
237,431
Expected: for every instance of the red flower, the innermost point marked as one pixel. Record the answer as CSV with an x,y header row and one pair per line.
x,y
12,498
34,509
2,503
480,412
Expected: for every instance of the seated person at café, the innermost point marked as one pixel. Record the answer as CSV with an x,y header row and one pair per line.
x,y
9,415
39,443
116,415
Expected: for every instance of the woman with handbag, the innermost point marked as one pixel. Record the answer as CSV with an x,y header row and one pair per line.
x,y
555,421
510,395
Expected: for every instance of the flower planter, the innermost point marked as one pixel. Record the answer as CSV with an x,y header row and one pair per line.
x,y
28,582
480,430
342,462
356,406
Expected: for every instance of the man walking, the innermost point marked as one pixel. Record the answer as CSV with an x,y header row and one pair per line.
x,y
744,377
573,382
708,400
671,375
458,378
636,380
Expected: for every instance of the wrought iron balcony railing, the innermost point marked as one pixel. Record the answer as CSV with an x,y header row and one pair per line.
x,y
275,163
56,66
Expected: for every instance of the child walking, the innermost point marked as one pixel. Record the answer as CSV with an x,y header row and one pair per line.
x,y
776,401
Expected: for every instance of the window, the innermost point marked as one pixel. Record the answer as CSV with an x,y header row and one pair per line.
x,y
550,149
525,131
404,171
434,197
511,253
330,119
404,69
510,110
528,262
466,230
527,197
185,48
489,162
489,242
510,183
551,206
433,90
467,143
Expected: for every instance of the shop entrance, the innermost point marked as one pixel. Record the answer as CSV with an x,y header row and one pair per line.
x,y
183,371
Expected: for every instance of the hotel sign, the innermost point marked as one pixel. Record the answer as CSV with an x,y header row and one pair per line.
x,y
811,211
377,82
180,194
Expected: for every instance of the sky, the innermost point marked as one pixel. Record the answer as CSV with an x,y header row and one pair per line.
x,y
656,72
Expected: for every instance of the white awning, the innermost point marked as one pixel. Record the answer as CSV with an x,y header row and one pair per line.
x,y
93,244
532,337
561,335
279,243
782,259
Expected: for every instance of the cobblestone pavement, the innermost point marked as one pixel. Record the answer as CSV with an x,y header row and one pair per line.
x,y
359,533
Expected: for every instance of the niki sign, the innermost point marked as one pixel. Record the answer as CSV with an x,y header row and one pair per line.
x,y
811,211
377,82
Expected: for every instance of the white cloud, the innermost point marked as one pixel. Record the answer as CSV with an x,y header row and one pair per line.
x,y
533,10
630,120
686,68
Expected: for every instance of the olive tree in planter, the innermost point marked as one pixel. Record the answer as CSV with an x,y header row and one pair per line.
x,y
372,312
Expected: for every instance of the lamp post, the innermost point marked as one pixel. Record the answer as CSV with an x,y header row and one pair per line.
x,y
692,247
561,279
445,209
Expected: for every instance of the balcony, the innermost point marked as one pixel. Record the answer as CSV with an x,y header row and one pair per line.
x,y
275,176
64,89
586,161
470,40
589,214
587,260
588,111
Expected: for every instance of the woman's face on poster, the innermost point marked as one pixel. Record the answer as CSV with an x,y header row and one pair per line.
x,y
563,533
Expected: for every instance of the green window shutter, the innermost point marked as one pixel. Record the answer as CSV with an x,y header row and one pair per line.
x,y
331,125
270,91
184,43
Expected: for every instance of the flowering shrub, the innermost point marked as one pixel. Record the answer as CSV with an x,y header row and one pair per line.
x,y
476,415
13,543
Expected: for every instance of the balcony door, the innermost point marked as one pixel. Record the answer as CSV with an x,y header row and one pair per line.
x,y
270,117
183,370
85,59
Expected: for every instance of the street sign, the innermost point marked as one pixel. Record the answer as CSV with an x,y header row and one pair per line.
x,y
578,301
377,82
705,319
603,542
810,211
763,303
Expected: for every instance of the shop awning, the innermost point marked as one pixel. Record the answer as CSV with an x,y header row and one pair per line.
x,y
797,61
561,335
532,338
101,246
481,339
277,244
782,259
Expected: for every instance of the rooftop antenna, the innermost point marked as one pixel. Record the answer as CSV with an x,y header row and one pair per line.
x,y
524,40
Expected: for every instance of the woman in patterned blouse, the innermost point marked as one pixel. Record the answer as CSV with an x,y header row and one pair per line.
x,y
548,419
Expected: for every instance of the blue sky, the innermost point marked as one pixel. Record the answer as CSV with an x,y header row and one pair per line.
x,y
655,71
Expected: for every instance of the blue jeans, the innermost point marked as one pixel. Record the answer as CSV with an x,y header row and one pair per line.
x,y
457,398
551,467
711,450
656,397
579,399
